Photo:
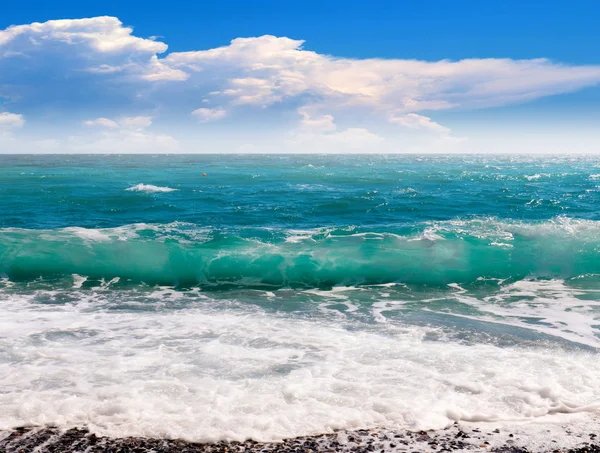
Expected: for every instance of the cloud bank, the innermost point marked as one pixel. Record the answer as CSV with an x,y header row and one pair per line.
x,y
103,81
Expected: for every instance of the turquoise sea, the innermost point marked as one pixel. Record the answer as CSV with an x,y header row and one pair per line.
x,y
284,295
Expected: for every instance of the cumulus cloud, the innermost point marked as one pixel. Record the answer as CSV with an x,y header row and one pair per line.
x,y
269,69
205,115
11,120
94,61
48,68
102,34
157,71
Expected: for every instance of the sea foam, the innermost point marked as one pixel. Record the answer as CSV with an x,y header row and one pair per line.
x,y
149,188
205,374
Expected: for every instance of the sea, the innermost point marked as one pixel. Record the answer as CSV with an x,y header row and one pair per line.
x,y
232,297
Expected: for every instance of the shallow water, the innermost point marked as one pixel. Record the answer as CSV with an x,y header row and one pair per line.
x,y
290,295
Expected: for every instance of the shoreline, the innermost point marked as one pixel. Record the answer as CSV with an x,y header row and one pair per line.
x,y
456,438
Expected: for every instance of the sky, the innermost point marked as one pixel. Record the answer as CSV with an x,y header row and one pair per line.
x,y
288,76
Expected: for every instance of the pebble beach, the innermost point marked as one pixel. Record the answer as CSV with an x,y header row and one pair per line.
x,y
457,438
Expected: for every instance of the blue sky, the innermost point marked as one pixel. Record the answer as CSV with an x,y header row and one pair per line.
x,y
327,76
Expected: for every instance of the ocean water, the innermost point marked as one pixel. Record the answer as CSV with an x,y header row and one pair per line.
x,y
290,295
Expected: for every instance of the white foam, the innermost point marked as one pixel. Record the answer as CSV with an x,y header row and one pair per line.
x,y
388,285
337,292
295,236
6,283
149,188
107,284
89,234
457,287
205,373
554,308
407,190
428,234
78,281
533,177
122,233
379,308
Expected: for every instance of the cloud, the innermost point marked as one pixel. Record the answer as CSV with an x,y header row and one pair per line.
x,y
122,141
351,140
132,122
102,122
415,121
100,69
205,115
136,122
102,34
314,121
354,137
70,64
11,120
123,135
266,70
157,71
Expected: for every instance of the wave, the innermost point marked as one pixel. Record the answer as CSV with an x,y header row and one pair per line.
x,y
461,251
149,188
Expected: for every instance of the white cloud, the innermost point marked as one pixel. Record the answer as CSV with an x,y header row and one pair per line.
x,y
136,122
123,141
156,71
11,120
267,69
101,46
354,137
102,122
205,115
132,122
103,34
315,121
415,121
107,141
351,140
99,63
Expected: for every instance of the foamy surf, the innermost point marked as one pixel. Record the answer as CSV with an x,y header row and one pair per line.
x,y
206,374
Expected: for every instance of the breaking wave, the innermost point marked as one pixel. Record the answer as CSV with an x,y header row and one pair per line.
x,y
149,188
460,251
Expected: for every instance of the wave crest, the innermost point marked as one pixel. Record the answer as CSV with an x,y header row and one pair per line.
x,y
149,188
462,251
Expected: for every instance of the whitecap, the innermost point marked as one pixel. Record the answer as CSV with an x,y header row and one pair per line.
x,y
90,234
533,177
149,188
78,281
